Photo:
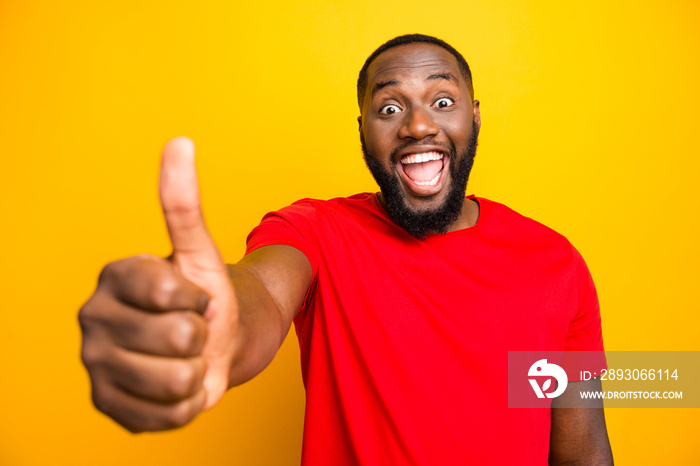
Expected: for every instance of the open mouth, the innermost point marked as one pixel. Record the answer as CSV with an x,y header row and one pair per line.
x,y
424,172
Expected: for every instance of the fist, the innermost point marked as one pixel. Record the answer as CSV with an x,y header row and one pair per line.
x,y
143,335
159,335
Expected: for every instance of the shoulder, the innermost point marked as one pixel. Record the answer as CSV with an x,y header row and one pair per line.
x,y
358,205
316,216
537,244
308,224
361,200
504,225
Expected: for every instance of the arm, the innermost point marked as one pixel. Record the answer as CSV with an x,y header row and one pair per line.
x,y
270,283
578,434
164,339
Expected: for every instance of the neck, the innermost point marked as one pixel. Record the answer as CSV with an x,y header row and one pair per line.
x,y
468,217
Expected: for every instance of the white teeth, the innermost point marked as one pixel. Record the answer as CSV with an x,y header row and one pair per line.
x,y
420,158
432,182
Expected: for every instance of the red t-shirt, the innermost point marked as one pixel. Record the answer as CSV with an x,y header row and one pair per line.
x,y
404,342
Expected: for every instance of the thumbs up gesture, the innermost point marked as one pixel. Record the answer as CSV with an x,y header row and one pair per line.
x,y
160,336
198,260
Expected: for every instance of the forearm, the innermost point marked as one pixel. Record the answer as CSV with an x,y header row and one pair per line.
x,y
260,328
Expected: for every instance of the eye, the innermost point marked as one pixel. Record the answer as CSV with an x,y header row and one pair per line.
x,y
389,109
444,102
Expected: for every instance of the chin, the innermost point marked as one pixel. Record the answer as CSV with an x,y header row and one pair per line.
x,y
420,216
425,204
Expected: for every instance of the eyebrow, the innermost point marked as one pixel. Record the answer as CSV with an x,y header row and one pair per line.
x,y
447,76
379,85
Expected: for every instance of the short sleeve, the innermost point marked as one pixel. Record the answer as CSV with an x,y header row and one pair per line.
x,y
585,334
293,226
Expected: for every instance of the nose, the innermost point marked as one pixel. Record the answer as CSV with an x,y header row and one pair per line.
x,y
418,123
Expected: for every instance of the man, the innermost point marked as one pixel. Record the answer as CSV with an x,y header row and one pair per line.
x,y
405,303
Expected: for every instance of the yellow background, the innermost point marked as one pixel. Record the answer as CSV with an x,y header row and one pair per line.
x,y
589,114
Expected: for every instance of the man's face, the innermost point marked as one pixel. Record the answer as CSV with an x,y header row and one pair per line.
x,y
419,127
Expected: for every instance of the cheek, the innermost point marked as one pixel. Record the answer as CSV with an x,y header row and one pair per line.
x,y
458,129
378,140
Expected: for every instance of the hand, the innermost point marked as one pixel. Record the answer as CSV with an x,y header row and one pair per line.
x,y
159,336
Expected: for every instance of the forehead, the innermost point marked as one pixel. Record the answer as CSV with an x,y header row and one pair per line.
x,y
411,59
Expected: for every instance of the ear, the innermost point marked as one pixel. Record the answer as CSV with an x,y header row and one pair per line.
x,y
477,113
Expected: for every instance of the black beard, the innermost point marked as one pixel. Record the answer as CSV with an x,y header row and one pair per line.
x,y
423,222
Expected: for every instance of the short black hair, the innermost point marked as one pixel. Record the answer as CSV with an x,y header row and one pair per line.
x,y
410,39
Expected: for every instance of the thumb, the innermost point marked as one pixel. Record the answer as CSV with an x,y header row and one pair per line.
x,y
179,197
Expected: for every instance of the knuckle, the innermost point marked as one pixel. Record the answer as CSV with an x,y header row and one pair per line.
x,y
186,334
85,318
108,272
95,315
117,270
95,347
91,354
182,380
101,402
180,414
89,313
164,288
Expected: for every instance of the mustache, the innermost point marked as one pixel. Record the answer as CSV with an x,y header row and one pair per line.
x,y
422,142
